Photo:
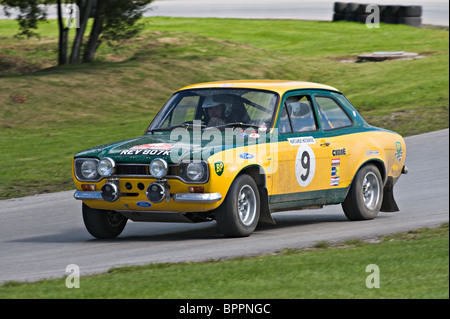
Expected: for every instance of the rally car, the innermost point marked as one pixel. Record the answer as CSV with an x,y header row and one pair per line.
x,y
238,151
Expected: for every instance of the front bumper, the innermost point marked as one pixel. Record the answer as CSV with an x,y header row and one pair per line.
x,y
201,198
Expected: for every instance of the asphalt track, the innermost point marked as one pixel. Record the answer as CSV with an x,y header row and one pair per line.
x,y
41,235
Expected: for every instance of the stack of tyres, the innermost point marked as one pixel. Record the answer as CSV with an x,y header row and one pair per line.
x,y
362,13
390,14
394,14
350,11
339,11
410,15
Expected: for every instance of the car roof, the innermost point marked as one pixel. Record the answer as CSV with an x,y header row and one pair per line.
x,y
279,86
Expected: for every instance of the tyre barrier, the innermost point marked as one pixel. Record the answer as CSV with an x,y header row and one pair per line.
x,y
393,14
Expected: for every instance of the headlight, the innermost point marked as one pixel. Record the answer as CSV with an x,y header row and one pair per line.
x,y
86,169
89,169
195,171
158,168
106,167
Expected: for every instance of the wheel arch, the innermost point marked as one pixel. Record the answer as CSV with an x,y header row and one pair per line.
x,y
379,164
259,176
256,172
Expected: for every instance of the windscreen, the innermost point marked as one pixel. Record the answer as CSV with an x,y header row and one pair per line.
x,y
217,108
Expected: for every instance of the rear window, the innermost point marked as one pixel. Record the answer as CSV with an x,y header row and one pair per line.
x,y
331,115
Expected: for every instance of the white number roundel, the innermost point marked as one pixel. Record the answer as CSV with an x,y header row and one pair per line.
x,y
305,165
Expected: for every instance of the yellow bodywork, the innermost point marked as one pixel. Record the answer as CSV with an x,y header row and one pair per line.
x,y
276,168
336,161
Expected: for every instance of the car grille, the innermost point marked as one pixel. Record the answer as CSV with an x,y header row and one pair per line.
x,y
140,170
131,170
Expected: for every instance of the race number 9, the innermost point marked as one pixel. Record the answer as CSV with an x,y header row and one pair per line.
x,y
305,165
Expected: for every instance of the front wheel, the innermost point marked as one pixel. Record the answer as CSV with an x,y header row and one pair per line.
x,y
365,196
102,223
239,213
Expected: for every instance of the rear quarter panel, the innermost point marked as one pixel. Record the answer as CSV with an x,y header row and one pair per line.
x,y
388,149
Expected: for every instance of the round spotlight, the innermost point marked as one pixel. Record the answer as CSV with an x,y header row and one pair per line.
x,y
195,171
110,192
158,168
106,167
155,193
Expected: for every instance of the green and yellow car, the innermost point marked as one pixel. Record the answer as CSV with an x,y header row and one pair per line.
x,y
238,151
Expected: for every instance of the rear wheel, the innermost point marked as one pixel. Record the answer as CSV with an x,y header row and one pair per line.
x,y
365,196
239,213
103,223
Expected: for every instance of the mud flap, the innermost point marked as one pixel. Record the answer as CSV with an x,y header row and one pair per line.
x,y
264,216
389,205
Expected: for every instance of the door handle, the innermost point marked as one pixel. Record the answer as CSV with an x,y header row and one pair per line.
x,y
325,144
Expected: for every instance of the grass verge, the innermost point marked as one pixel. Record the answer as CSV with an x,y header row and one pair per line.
x,y
414,264
48,113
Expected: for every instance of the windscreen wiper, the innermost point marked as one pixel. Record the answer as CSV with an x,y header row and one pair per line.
x,y
184,125
233,124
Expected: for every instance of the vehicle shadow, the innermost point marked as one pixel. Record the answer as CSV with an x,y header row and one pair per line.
x,y
170,232
210,231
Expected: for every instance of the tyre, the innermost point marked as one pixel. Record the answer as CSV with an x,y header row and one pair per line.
x,y
392,10
350,11
410,11
340,7
411,21
351,17
365,196
338,16
362,18
390,14
351,7
361,9
239,213
103,223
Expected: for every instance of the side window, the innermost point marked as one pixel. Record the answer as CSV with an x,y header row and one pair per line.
x,y
332,116
284,126
300,113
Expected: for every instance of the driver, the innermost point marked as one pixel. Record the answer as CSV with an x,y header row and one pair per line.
x,y
215,112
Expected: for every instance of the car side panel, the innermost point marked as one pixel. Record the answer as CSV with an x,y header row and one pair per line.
x,y
339,163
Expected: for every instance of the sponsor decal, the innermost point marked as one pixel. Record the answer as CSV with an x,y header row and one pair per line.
x,y
301,140
219,166
335,161
246,156
145,152
154,146
335,170
334,181
242,133
339,152
143,204
399,152
160,149
372,152
254,134
227,85
305,165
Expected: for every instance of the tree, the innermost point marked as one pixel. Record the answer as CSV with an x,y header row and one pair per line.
x,y
30,13
113,22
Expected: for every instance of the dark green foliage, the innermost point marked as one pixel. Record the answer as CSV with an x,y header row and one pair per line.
x,y
114,22
30,14
120,20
